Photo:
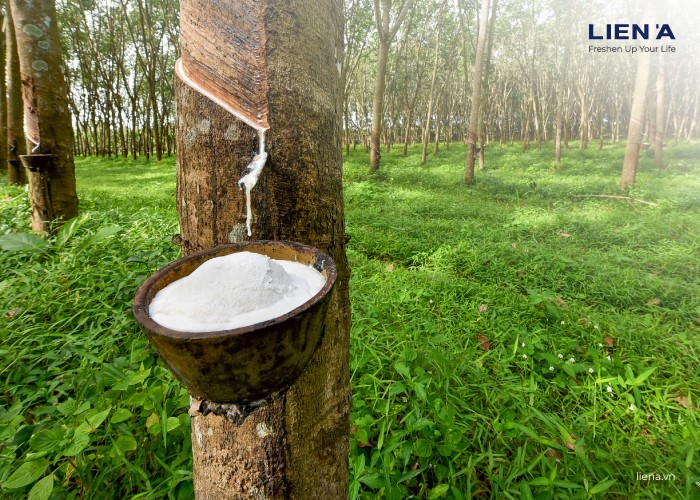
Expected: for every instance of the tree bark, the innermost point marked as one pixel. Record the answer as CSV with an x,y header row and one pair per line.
x,y
16,173
3,102
386,33
660,115
378,106
297,445
476,91
46,111
634,133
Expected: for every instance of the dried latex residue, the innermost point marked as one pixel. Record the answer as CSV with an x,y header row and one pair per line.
x,y
233,291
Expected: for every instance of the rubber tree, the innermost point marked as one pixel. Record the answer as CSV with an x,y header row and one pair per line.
x,y
476,91
245,66
3,97
17,146
636,124
386,32
48,122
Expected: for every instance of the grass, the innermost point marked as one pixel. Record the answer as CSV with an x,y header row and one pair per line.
x,y
463,301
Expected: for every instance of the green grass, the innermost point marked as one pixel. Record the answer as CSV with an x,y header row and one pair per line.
x,y
463,298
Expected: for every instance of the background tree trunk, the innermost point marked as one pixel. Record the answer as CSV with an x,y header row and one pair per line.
x,y
16,173
387,33
297,445
634,133
46,111
3,101
476,90
660,114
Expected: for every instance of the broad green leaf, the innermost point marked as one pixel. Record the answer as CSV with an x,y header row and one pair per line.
x,y
540,481
422,448
410,475
77,444
96,420
22,242
67,407
402,369
567,484
152,419
68,230
121,415
46,440
42,489
126,443
171,424
27,473
602,486
643,376
439,491
373,481
101,234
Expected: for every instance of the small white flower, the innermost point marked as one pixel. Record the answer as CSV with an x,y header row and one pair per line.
x,y
522,344
551,368
608,358
562,322
596,327
572,360
591,370
600,345
632,407
524,356
608,388
560,356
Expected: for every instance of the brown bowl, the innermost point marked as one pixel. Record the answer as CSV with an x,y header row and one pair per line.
x,y
244,364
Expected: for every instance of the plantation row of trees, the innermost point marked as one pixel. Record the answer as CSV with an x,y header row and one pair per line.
x,y
537,76
120,56
410,75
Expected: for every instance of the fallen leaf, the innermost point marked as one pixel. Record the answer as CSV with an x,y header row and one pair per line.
x,y
654,302
647,435
389,267
584,321
683,401
570,445
553,453
608,341
484,343
11,314
483,308
564,234
562,303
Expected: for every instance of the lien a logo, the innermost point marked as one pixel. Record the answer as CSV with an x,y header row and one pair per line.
x,y
630,32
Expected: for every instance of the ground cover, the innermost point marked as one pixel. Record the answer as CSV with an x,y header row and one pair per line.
x,y
513,339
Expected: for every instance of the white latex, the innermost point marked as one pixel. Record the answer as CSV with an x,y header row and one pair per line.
x,y
233,291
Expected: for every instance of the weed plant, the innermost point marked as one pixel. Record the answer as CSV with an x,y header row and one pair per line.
x,y
514,339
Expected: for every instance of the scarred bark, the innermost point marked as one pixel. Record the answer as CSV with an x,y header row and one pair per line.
x,y
46,111
16,173
297,445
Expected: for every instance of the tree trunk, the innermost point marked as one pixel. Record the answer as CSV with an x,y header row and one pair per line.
x,y
297,445
476,90
660,115
3,103
634,133
46,111
16,173
378,106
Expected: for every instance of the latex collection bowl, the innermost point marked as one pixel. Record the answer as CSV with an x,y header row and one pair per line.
x,y
244,364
